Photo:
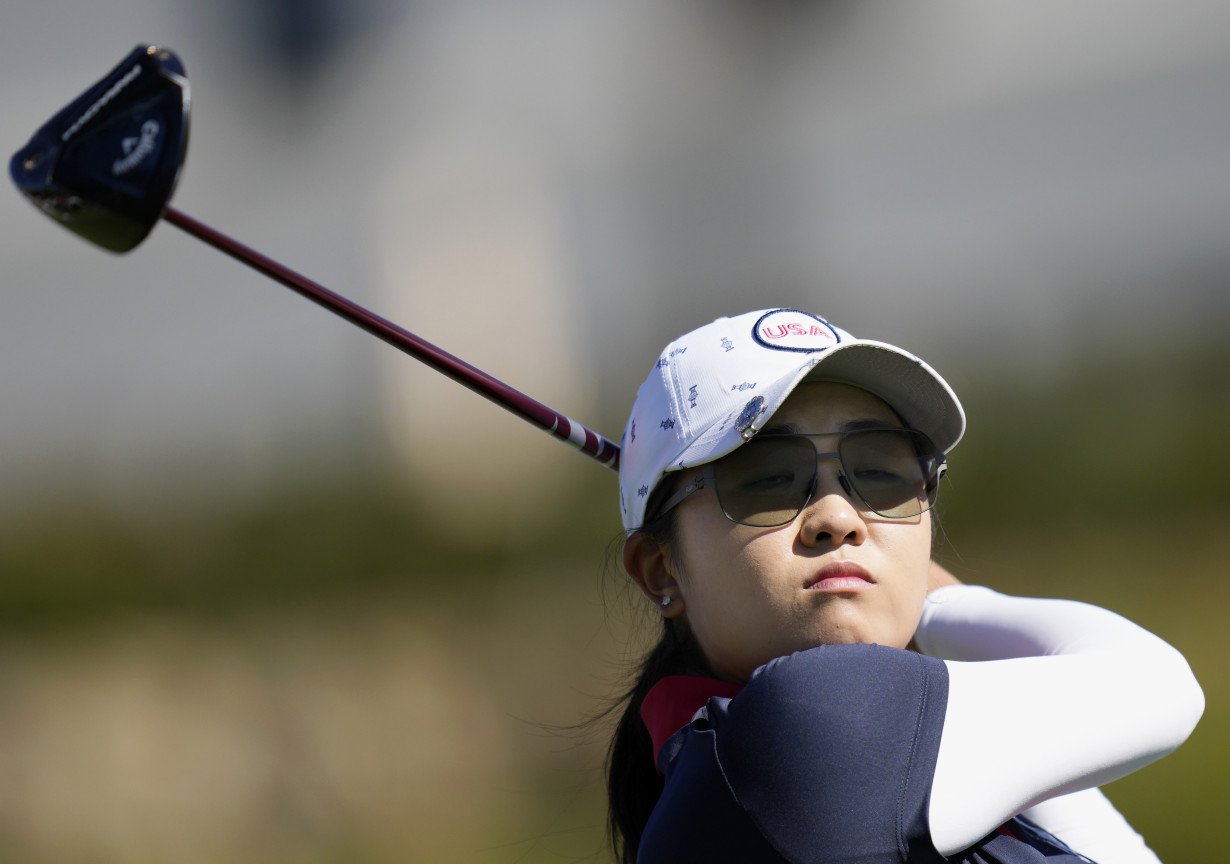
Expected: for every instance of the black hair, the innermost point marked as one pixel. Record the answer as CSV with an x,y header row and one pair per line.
x,y
633,782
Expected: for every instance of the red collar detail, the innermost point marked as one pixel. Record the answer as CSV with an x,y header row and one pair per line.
x,y
670,704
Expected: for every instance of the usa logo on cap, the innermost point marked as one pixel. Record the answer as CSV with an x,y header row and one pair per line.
x,y
794,330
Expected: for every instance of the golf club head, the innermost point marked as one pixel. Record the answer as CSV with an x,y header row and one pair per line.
x,y
105,166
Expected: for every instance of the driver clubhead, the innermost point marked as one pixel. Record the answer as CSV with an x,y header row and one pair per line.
x,y
105,166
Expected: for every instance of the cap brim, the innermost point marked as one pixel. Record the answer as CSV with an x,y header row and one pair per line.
x,y
918,394
911,388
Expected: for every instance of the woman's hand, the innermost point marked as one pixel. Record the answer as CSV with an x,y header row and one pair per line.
x,y
938,577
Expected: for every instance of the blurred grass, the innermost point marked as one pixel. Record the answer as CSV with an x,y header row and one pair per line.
x,y
327,674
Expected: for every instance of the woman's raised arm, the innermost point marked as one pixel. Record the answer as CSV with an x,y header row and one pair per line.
x,y
1046,697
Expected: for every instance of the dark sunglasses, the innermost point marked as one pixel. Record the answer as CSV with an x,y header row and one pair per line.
x,y
892,472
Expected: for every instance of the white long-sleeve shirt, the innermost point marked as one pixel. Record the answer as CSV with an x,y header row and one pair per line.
x,y
1055,697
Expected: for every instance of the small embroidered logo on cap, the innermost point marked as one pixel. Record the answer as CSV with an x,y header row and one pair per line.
x,y
794,330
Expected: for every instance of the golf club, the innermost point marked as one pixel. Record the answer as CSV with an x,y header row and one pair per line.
x,y
106,165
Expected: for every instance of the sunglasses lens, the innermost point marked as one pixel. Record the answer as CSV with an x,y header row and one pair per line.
x,y
891,470
767,481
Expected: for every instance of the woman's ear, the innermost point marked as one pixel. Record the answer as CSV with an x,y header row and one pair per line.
x,y
648,563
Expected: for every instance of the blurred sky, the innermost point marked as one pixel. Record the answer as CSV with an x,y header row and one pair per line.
x,y
553,190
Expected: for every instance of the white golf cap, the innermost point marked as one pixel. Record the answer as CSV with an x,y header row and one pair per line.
x,y
714,388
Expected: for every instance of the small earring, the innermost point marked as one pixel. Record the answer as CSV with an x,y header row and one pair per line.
x,y
666,601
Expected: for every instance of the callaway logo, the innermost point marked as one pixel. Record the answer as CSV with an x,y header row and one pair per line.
x,y
103,100
136,149
792,330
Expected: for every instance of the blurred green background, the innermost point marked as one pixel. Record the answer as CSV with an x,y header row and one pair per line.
x,y
332,674
271,592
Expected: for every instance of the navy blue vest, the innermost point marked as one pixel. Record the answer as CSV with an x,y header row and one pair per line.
x,y
825,757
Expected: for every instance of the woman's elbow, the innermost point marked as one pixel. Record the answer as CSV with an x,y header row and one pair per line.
x,y
1182,697
1193,700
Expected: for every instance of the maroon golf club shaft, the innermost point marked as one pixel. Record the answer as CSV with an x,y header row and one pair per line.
x,y
579,436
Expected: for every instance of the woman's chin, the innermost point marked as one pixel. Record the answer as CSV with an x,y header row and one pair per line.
x,y
862,633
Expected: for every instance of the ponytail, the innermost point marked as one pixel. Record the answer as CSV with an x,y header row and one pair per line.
x,y
633,782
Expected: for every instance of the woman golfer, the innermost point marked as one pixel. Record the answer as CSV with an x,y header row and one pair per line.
x,y
821,692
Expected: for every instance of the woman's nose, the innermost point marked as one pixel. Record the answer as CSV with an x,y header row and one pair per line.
x,y
831,517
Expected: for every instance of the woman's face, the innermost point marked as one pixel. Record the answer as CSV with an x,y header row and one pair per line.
x,y
836,574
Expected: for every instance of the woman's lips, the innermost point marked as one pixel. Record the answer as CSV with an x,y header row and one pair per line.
x,y
840,576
